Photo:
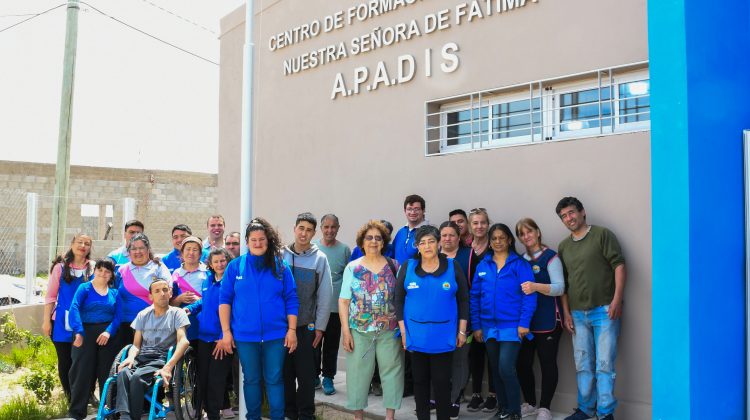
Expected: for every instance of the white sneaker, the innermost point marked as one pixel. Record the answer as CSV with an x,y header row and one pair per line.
x,y
527,410
543,414
227,413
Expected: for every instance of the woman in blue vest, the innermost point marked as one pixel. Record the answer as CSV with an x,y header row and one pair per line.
x,y
66,274
432,310
501,314
133,280
258,308
214,365
95,319
546,325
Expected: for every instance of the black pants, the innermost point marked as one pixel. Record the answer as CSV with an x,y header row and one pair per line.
x,y
91,363
126,334
64,361
329,348
299,378
432,372
545,346
477,357
132,385
212,378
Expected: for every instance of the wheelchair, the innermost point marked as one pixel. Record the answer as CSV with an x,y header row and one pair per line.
x,y
179,397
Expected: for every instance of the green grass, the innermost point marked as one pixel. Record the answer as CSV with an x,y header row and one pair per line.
x,y
27,407
23,356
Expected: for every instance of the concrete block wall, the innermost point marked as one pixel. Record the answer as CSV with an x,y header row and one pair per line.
x,y
163,199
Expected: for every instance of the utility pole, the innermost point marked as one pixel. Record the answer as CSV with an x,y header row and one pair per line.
x,y
62,169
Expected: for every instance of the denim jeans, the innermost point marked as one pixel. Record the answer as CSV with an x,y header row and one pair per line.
x,y
267,359
595,350
502,357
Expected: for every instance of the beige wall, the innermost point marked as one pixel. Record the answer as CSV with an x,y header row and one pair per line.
x,y
359,156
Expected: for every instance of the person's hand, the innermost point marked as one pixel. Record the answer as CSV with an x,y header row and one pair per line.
x,y
318,338
226,344
219,353
290,341
187,297
460,340
166,375
348,342
47,327
478,336
615,309
127,363
403,340
102,339
568,323
528,287
78,341
522,332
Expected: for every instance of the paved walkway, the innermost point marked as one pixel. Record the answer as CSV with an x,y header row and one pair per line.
x,y
375,410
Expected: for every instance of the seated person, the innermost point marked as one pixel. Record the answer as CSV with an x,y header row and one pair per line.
x,y
157,328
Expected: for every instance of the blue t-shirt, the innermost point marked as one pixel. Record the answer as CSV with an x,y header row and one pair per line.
x,y
89,307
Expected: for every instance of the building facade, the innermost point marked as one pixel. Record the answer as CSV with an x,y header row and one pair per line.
x,y
507,105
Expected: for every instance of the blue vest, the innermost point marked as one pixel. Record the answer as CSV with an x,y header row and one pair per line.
x,y
547,313
430,310
61,332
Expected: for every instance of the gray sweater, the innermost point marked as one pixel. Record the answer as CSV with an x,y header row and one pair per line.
x,y
313,279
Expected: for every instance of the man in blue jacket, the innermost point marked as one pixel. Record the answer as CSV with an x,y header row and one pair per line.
x,y
403,241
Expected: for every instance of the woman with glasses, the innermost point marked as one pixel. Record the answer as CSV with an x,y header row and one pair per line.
x,y
368,323
432,310
546,325
501,314
479,223
133,280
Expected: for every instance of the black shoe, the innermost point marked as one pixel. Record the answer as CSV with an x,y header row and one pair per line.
x,y
376,389
501,414
475,404
579,415
490,404
609,416
454,411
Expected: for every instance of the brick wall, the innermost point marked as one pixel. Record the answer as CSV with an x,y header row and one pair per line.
x,y
162,199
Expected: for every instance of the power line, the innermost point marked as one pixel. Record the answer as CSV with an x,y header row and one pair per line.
x,y
32,17
179,17
150,35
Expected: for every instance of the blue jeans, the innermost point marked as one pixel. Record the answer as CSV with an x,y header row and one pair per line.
x,y
595,349
267,359
502,357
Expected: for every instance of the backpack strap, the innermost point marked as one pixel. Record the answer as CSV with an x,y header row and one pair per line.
x,y
392,266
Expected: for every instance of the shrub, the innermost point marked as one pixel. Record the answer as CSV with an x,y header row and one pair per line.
x,y
41,382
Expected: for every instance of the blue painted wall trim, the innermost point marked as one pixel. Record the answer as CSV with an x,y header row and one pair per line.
x,y
699,56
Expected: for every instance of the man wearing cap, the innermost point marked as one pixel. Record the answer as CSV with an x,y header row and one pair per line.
x,y
312,276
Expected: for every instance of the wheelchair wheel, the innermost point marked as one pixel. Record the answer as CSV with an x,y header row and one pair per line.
x,y
110,398
184,388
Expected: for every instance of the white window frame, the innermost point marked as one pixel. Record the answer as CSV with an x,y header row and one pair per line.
x,y
549,92
560,89
488,144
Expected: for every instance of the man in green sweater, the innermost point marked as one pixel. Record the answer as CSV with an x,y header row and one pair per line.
x,y
595,284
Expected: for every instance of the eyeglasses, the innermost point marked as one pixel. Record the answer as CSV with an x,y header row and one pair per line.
x,y
374,238
233,243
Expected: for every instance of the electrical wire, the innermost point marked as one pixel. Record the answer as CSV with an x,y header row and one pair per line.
x,y
150,35
165,10
35,15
